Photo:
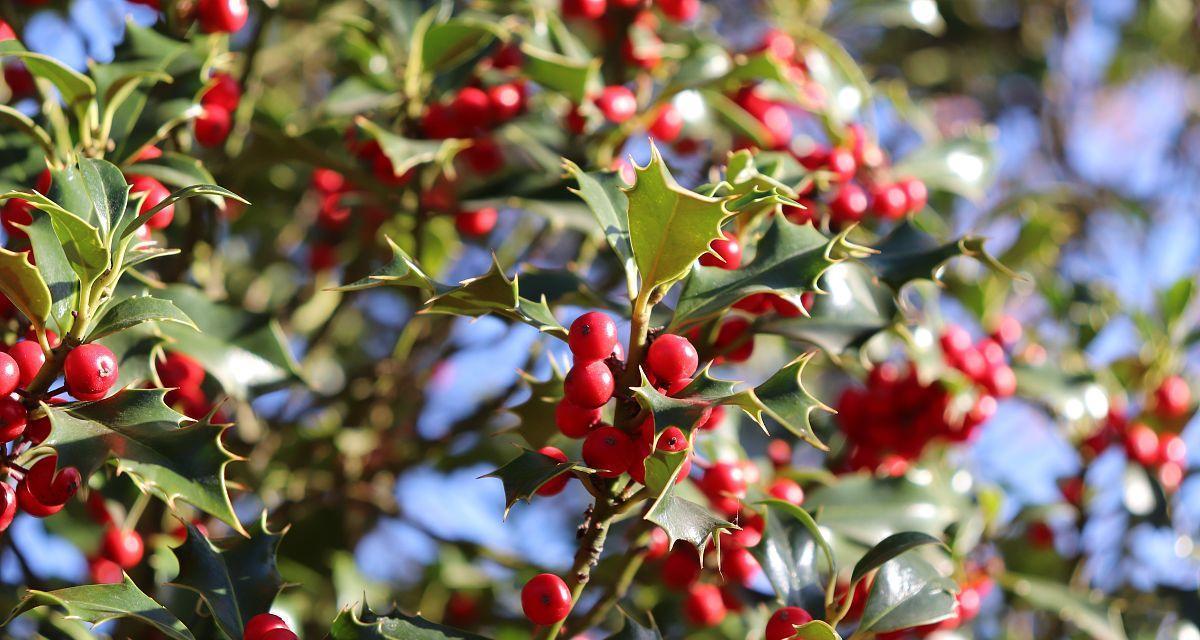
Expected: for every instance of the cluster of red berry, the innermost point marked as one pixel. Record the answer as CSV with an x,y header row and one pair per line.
x,y
1162,450
889,423
121,547
220,99
185,379
474,112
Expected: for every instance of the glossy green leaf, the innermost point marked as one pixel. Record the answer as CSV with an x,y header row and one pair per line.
x,y
236,577
81,242
784,399
908,592
816,630
98,603
788,261
525,474
494,293
23,285
572,78
685,520
791,555
536,423
866,509
909,253
451,43
635,630
403,270
603,192
176,170
29,127
130,224
52,263
669,226
889,548
353,624
854,309
134,311
75,87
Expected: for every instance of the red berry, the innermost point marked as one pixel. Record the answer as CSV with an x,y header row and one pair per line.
x,y
224,92
734,340
31,505
609,451
680,10
681,568
1141,444
260,624
889,201
212,126
545,599
787,490
593,336
751,531
222,16
1001,381
589,385
472,108
779,452
575,421
6,32
955,340
1073,489
559,482
1172,449
327,180
38,430
714,419
1172,398
917,194
668,124
848,204
728,253
584,9
508,57
506,101
782,624
10,374
724,479
1008,331
738,565
122,547
672,357
704,606
105,571
841,162
13,418
659,544
155,193
279,634
8,505
479,222
1040,535
672,440
779,43
616,103
178,370
90,369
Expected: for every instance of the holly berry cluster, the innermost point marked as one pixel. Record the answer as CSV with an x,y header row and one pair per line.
x,y
1160,449
121,546
219,100
184,376
474,112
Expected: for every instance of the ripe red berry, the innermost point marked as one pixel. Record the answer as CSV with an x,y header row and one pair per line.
x,y
584,9
681,568
1141,444
472,108
841,162
90,369
779,43
279,634
609,451
787,490
327,180
704,606
262,623
6,32
10,374
1008,331
8,505
213,125
506,101
672,440
558,483
545,599
724,479
728,253
589,384
29,358
955,340
1171,449
574,421
680,10
738,564
222,16
917,194
1172,398
479,222
783,623
31,505
224,91
889,201
735,342
616,103
714,420
122,547
13,418
848,204
672,357
155,193
668,124
593,336
105,571
178,370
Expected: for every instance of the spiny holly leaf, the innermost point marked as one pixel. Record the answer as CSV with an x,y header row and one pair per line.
x,y
134,349
93,190
243,351
132,221
683,412
406,153
56,270
669,226
889,548
135,311
908,592
23,285
524,475
99,603
403,271
352,624
536,415
451,43
235,577
81,242
788,261
685,520
783,398
176,170
495,293
742,176
142,435
1087,611
909,253
855,309
602,191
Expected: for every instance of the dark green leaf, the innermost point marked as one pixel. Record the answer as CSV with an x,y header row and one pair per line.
x,y
403,271
453,42
130,224
55,269
685,520
789,555
908,253
75,87
406,153
556,72
525,474
536,415
889,548
81,242
784,399
602,191
352,624
866,509
635,630
98,603
134,311
963,165
854,309
908,592
494,293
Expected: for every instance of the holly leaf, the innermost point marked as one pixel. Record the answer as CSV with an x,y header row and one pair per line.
x,y
403,271
236,578
74,87
132,221
536,422
866,509
56,270
603,192
22,284
455,41
524,475
134,349
788,261
669,226
1087,611
784,399
99,603
685,520
352,624
908,592
816,630
243,351
94,191
177,170
81,242
635,630
573,78
855,309
134,311
406,153
494,293
889,548
143,437
790,555
909,253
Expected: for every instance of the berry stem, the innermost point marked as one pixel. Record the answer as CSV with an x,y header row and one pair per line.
x,y
616,590
135,512
590,546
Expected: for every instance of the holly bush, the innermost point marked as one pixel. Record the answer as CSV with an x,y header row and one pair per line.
x,y
705,283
